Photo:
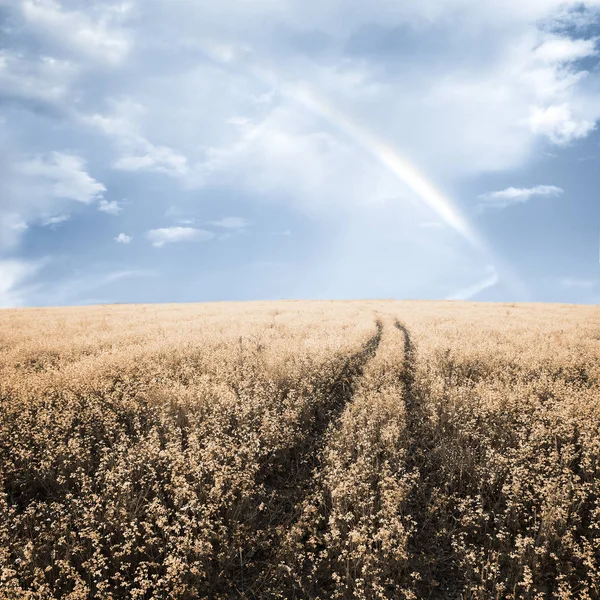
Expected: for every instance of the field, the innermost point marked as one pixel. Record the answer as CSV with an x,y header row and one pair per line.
x,y
365,449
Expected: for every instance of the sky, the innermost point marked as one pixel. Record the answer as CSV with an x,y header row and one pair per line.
x,y
177,151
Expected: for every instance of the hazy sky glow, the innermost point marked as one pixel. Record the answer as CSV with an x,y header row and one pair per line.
x,y
190,151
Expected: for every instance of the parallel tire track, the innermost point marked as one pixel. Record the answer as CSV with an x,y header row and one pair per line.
x,y
289,480
430,556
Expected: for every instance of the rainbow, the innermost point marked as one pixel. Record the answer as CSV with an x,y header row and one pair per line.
x,y
379,149
389,158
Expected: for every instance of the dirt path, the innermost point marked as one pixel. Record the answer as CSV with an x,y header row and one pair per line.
x,y
430,555
289,479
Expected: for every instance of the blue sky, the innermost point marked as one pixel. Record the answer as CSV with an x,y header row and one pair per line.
x,y
193,151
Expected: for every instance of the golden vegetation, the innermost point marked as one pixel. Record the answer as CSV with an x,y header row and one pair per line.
x,y
300,450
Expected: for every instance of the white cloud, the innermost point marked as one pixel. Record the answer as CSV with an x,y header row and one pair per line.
x,y
585,284
559,124
489,120
12,227
341,17
512,195
94,32
39,78
122,122
34,189
450,112
471,291
154,158
231,223
287,156
63,176
564,49
111,207
13,274
471,117
55,220
168,235
123,238
137,153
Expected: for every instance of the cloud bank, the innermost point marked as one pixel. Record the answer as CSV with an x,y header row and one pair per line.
x,y
306,107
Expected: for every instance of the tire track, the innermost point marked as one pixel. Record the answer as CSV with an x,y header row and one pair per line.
x,y
430,555
408,377
289,478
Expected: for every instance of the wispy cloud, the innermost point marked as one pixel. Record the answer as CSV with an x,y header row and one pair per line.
x,y
137,152
64,175
154,158
469,292
12,222
231,223
38,188
124,274
12,228
123,238
100,38
585,284
53,222
513,195
169,235
13,274
71,290
111,207
43,79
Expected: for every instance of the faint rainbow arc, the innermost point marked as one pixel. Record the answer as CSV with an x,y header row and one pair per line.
x,y
381,150
388,157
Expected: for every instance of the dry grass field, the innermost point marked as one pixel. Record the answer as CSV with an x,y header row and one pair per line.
x,y
300,450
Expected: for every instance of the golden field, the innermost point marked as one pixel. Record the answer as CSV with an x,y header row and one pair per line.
x,y
364,449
